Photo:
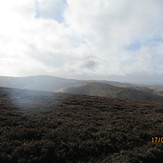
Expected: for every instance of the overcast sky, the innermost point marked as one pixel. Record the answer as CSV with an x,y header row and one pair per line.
x,y
89,39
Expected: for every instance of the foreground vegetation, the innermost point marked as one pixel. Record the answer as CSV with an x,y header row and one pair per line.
x,y
40,127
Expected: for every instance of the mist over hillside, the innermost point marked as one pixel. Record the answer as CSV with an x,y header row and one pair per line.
x,y
42,82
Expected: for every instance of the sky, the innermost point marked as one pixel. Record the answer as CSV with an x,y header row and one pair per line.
x,y
97,39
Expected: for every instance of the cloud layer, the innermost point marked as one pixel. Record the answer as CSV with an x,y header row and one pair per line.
x,y
81,39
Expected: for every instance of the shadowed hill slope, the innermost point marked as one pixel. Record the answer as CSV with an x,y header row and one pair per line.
x,y
102,89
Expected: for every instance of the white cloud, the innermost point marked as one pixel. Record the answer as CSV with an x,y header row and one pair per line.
x,y
89,41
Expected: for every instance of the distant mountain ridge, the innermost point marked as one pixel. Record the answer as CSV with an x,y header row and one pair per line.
x,y
42,82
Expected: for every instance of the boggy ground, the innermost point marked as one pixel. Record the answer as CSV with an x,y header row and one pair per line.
x,y
42,127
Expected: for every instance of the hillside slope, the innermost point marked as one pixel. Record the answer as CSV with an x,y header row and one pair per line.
x,y
53,84
48,127
102,89
42,82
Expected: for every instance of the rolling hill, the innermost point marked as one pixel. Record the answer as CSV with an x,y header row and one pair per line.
x,y
106,90
42,82
96,88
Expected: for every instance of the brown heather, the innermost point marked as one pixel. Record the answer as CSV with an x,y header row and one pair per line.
x,y
41,127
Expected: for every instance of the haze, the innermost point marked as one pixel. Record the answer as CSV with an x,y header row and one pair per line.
x,y
97,39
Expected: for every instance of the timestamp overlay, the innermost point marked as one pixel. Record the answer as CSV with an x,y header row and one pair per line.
x,y
157,139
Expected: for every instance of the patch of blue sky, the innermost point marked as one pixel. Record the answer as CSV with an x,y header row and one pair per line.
x,y
37,10
133,46
56,14
153,42
136,45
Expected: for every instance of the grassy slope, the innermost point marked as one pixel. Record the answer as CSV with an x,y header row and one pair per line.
x,y
159,90
46,127
102,89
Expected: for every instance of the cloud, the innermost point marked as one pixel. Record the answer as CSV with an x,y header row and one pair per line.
x,y
99,38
